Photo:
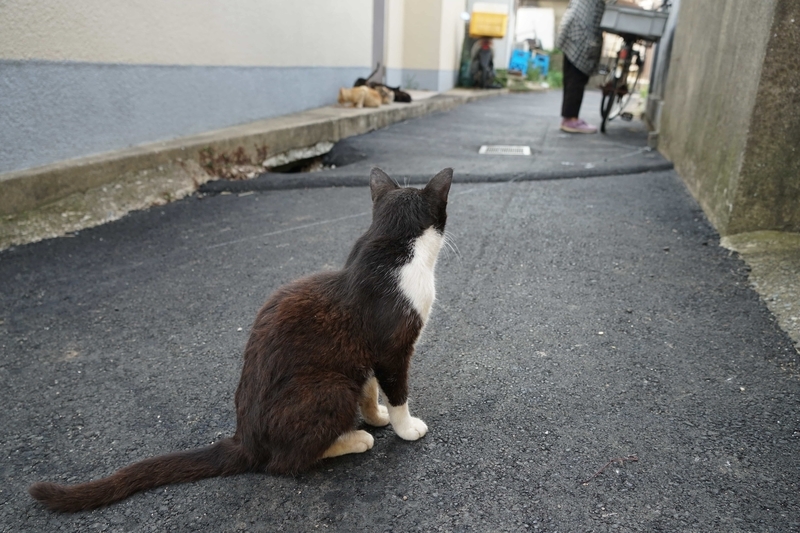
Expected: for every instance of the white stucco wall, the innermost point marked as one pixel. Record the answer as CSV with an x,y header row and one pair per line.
x,y
536,22
395,24
89,76
424,40
189,32
452,34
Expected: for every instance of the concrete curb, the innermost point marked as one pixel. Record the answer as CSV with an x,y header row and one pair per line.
x,y
277,182
246,144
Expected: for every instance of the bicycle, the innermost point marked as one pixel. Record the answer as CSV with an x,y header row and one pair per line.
x,y
616,92
634,26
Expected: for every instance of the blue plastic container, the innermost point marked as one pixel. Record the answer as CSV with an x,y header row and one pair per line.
x,y
520,60
542,62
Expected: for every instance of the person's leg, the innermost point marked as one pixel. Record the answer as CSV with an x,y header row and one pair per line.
x,y
574,85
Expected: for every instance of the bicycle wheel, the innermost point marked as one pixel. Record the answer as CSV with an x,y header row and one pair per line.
x,y
607,102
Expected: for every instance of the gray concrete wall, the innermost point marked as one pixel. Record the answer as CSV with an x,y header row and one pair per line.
x,y
726,121
768,196
90,76
53,111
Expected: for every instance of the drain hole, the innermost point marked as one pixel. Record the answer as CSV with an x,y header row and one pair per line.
x,y
337,155
310,164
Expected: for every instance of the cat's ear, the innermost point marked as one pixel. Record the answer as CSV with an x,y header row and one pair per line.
x,y
380,183
439,185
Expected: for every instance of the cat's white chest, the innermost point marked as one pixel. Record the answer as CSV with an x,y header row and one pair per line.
x,y
416,277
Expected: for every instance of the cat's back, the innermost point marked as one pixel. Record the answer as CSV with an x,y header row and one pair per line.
x,y
306,326
317,298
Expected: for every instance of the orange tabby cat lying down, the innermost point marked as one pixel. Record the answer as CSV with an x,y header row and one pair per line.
x,y
360,97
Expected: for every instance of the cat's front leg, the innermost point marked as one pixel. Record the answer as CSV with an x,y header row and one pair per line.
x,y
406,426
374,414
393,380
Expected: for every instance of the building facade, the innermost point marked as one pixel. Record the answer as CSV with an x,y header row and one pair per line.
x,y
91,76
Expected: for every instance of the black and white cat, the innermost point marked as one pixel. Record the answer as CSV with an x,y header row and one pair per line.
x,y
320,350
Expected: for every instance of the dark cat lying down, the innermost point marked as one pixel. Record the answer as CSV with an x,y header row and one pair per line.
x,y
320,349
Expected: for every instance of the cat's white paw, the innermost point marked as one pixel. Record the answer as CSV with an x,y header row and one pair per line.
x,y
411,429
406,426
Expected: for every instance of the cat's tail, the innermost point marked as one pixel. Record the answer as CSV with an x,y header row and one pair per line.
x,y
223,458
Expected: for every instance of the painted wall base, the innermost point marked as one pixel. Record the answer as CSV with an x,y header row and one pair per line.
x,y
52,111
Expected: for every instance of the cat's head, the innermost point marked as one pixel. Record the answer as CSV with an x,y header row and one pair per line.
x,y
408,211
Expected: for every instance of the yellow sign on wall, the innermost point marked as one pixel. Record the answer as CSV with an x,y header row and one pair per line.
x,y
488,25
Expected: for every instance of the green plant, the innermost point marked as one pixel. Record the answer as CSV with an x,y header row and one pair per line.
x,y
555,79
534,74
501,76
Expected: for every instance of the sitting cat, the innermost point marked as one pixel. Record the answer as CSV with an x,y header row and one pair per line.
x,y
320,349
360,96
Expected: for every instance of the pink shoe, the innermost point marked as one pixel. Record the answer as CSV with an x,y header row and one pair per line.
x,y
576,125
